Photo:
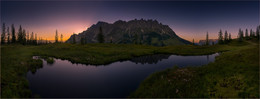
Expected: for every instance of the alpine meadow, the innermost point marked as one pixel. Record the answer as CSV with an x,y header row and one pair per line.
x,y
130,49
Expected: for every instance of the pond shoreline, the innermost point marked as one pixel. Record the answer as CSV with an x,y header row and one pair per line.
x,y
116,70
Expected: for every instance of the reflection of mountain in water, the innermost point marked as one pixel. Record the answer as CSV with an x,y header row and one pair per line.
x,y
150,59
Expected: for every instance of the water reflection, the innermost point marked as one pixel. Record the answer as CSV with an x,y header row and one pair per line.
x,y
150,59
118,79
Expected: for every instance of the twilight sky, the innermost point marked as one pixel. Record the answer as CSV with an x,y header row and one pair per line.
x,y
189,19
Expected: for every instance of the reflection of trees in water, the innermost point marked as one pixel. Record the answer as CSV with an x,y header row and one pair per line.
x,y
150,59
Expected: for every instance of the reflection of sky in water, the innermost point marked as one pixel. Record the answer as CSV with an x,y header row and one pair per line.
x,y
118,79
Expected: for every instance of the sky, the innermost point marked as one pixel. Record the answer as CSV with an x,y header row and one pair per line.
x,y
188,19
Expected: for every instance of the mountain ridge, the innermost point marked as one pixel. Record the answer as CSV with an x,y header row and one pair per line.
x,y
149,32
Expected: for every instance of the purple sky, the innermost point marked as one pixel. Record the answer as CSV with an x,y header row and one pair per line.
x,y
189,19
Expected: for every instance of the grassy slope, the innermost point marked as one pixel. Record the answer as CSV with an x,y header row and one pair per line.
x,y
16,60
234,73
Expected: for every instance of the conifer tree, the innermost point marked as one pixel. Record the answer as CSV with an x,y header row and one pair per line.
x,y
23,37
258,31
207,39
32,38
56,37
220,37
35,40
61,38
100,36
3,36
240,35
27,37
74,38
226,37
20,35
251,33
246,34
8,36
13,34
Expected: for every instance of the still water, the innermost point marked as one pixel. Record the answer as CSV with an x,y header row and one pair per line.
x,y
65,79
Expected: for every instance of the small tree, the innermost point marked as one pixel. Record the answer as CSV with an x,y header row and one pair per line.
x,y
100,36
251,33
8,36
27,37
226,37
229,37
32,38
35,40
3,36
240,35
246,34
258,31
74,38
207,38
220,37
23,37
20,35
56,36
13,34
61,38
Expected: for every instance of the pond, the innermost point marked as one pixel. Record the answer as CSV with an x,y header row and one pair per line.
x,y
65,79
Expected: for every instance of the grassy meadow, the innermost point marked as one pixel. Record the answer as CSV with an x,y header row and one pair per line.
x,y
233,74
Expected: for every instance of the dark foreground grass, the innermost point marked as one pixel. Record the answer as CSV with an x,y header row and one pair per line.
x,y
16,61
235,73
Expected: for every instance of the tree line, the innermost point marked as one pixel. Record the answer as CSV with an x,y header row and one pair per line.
x,y
226,37
10,36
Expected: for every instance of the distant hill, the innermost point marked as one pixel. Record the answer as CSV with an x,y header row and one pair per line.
x,y
149,32
211,42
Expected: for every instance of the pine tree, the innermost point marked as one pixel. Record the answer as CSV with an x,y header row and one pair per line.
x,y
32,38
240,35
27,37
61,38
100,36
56,37
23,37
3,36
74,38
8,36
251,33
35,40
207,39
20,35
226,37
258,31
220,37
246,34
13,34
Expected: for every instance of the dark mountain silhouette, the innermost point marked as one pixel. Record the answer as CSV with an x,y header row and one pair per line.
x,y
149,32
